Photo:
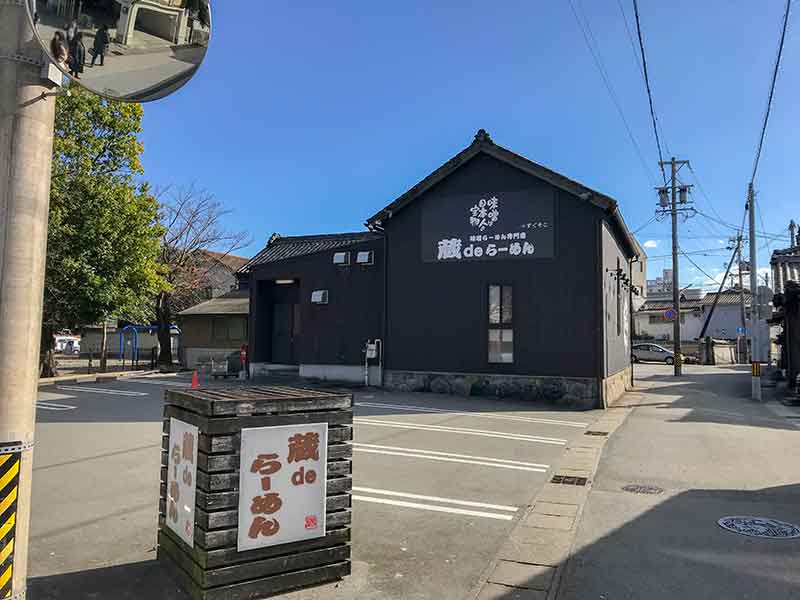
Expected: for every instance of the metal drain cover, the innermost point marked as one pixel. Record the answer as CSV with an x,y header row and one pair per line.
x,y
760,527
636,488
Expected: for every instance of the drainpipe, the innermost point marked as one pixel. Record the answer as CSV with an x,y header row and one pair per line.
x,y
630,314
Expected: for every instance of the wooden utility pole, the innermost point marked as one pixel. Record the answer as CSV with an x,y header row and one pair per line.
x,y
675,166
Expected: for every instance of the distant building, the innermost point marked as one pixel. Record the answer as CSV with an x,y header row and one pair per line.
x,y
215,328
649,320
219,273
660,287
786,277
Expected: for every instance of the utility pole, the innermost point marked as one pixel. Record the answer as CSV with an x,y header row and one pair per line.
x,y
755,305
742,311
26,147
793,233
668,200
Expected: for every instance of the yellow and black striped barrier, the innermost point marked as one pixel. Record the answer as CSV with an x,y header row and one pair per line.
x,y
9,484
756,369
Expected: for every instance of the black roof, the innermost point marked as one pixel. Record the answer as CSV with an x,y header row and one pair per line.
x,y
484,144
284,248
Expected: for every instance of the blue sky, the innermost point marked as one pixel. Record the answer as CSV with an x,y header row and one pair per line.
x,y
308,118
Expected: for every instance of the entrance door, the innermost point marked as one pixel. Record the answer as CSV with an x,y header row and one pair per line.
x,y
283,334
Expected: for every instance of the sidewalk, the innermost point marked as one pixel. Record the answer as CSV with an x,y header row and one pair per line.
x,y
709,452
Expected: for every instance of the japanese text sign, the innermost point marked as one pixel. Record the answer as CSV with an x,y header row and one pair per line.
x,y
181,479
489,226
282,485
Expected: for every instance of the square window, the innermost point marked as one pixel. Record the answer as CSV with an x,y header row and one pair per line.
x,y
341,258
501,346
365,257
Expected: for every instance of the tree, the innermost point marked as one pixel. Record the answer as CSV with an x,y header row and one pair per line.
x,y
103,236
192,224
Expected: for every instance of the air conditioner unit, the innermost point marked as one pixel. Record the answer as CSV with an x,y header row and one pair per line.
x,y
319,297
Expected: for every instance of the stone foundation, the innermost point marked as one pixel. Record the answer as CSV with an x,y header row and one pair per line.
x,y
578,393
614,386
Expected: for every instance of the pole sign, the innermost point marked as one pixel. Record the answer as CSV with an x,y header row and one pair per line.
x,y
496,225
181,479
282,485
670,314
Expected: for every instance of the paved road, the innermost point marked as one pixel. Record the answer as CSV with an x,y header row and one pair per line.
x,y
438,482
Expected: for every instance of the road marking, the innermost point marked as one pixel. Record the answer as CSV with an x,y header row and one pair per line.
x,y
431,507
368,490
94,390
156,382
54,406
472,414
479,432
450,457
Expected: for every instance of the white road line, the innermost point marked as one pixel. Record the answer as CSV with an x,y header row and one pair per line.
x,y
470,503
54,406
156,382
431,507
94,390
450,457
479,432
482,415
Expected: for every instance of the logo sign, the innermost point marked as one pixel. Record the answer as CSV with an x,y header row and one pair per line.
x,y
282,485
670,314
181,479
126,50
495,225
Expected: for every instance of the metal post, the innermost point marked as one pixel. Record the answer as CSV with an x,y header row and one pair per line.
x,y
26,147
676,293
755,308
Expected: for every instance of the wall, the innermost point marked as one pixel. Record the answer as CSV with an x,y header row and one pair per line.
x,y
616,305
331,334
723,325
438,311
615,386
207,331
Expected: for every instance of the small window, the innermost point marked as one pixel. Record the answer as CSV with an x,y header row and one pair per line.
x,y
500,313
319,297
365,257
341,258
501,346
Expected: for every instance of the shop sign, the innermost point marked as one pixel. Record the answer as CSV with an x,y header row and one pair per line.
x,y
181,479
490,226
282,485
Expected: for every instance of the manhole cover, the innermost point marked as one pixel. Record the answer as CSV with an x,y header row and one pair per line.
x,y
760,527
637,488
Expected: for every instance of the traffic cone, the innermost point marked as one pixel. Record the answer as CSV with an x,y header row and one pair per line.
x,y
195,383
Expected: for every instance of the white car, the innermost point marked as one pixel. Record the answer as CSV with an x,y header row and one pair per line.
x,y
652,352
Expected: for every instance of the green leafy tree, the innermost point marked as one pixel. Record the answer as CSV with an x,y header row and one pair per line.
x,y
104,236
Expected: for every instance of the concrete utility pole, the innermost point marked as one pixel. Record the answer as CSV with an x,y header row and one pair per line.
x,y
755,305
742,311
793,233
26,146
676,295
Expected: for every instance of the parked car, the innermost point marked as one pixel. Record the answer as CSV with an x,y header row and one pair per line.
x,y
652,352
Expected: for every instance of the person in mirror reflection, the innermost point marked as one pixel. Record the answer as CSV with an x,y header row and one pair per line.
x,y
100,45
58,49
71,31
77,56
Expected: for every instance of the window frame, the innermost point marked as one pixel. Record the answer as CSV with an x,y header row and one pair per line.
x,y
370,257
346,255
502,324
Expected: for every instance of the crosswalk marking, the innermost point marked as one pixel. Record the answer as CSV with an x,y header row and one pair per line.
x,y
431,507
379,492
54,406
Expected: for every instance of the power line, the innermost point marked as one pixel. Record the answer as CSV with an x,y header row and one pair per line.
x,y
776,236
649,92
771,90
598,61
698,267
638,229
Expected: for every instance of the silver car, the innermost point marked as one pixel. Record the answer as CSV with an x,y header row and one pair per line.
x,y
652,352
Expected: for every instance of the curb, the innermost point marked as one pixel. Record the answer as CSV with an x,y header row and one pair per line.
x,y
533,560
93,378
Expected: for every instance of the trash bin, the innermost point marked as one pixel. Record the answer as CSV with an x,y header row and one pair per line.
x,y
255,490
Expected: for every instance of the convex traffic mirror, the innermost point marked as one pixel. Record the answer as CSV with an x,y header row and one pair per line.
x,y
130,50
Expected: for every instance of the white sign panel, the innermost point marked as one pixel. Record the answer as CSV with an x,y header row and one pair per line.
x,y
181,479
282,485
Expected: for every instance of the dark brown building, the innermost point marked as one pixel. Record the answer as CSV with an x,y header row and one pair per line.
x,y
493,275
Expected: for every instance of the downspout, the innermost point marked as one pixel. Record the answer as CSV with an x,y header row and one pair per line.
x,y
630,315
601,328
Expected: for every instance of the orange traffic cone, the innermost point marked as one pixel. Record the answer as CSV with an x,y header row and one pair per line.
x,y
195,383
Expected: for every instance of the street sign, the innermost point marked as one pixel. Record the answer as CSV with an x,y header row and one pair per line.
x,y
282,485
125,50
182,479
740,330
670,314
